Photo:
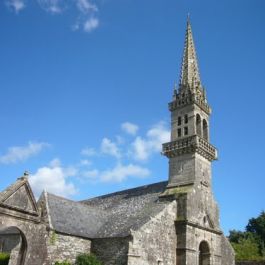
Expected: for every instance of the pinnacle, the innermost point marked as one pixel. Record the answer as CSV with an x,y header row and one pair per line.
x,y
190,77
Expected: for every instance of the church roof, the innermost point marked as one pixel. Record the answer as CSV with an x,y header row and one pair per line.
x,y
129,209
111,215
74,218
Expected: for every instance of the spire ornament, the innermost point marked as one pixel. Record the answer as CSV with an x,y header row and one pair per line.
x,y
189,76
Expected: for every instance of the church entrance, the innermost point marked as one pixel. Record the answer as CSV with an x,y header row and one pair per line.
x,y
204,253
13,246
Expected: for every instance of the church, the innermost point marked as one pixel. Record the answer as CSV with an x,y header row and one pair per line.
x,y
174,222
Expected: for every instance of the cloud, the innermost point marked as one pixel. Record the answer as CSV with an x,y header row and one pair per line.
x,y
16,5
91,24
110,148
85,6
52,6
85,162
53,178
118,174
143,148
21,153
88,151
130,128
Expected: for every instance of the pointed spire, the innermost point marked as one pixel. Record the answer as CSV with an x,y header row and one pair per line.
x,y
190,77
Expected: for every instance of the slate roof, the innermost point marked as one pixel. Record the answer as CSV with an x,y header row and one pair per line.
x,y
74,218
128,209
111,215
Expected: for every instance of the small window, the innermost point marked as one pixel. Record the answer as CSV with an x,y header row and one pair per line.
x,y
186,131
179,132
186,118
179,120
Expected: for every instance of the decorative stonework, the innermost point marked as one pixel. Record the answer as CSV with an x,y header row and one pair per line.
x,y
190,144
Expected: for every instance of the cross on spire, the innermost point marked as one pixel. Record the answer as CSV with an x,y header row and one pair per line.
x,y
190,77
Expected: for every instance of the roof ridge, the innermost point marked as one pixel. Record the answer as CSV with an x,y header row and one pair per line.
x,y
124,191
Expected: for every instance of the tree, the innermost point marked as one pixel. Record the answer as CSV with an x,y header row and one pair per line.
x,y
256,226
247,249
250,244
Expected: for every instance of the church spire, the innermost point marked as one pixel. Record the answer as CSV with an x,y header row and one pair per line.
x,y
190,77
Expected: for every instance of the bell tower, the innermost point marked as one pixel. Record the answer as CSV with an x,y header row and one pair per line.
x,y
190,114
199,238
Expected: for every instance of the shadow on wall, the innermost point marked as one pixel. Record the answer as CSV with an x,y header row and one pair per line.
x,y
13,242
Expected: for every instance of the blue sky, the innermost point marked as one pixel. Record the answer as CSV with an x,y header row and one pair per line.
x,y
85,85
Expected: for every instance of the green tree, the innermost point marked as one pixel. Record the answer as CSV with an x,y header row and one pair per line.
x,y
246,249
256,226
235,236
250,244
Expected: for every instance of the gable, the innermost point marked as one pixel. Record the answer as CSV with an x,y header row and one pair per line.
x,y
19,197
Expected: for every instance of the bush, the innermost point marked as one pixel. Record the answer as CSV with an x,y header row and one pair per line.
x,y
61,263
87,259
4,258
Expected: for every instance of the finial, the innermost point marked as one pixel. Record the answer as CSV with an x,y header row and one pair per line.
x,y
188,18
25,176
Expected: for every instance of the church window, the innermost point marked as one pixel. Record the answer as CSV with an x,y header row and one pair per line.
x,y
205,130
204,253
186,131
179,120
179,132
186,118
198,125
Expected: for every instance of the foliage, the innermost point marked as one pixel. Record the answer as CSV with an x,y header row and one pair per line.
x,y
4,258
250,244
235,236
256,226
247,249
87,259
62,263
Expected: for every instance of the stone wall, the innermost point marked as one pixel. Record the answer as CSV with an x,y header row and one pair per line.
x,y
64,247
111,251
155,242
228,253
33,245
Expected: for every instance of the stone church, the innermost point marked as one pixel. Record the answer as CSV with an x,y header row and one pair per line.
x,y
174,222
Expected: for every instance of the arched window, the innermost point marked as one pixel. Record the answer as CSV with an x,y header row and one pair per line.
x,y
205,129
198,125
204,254
14,243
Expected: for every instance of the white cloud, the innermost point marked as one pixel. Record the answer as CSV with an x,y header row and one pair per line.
x,y
16,5
88,151
85,162
91,174
130,128
118,174
91,24
85,6
53,178
110,148
52,6
21,153
143,148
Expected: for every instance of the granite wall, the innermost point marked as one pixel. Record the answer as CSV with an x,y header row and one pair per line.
x,y
155,242
111,251
64,247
